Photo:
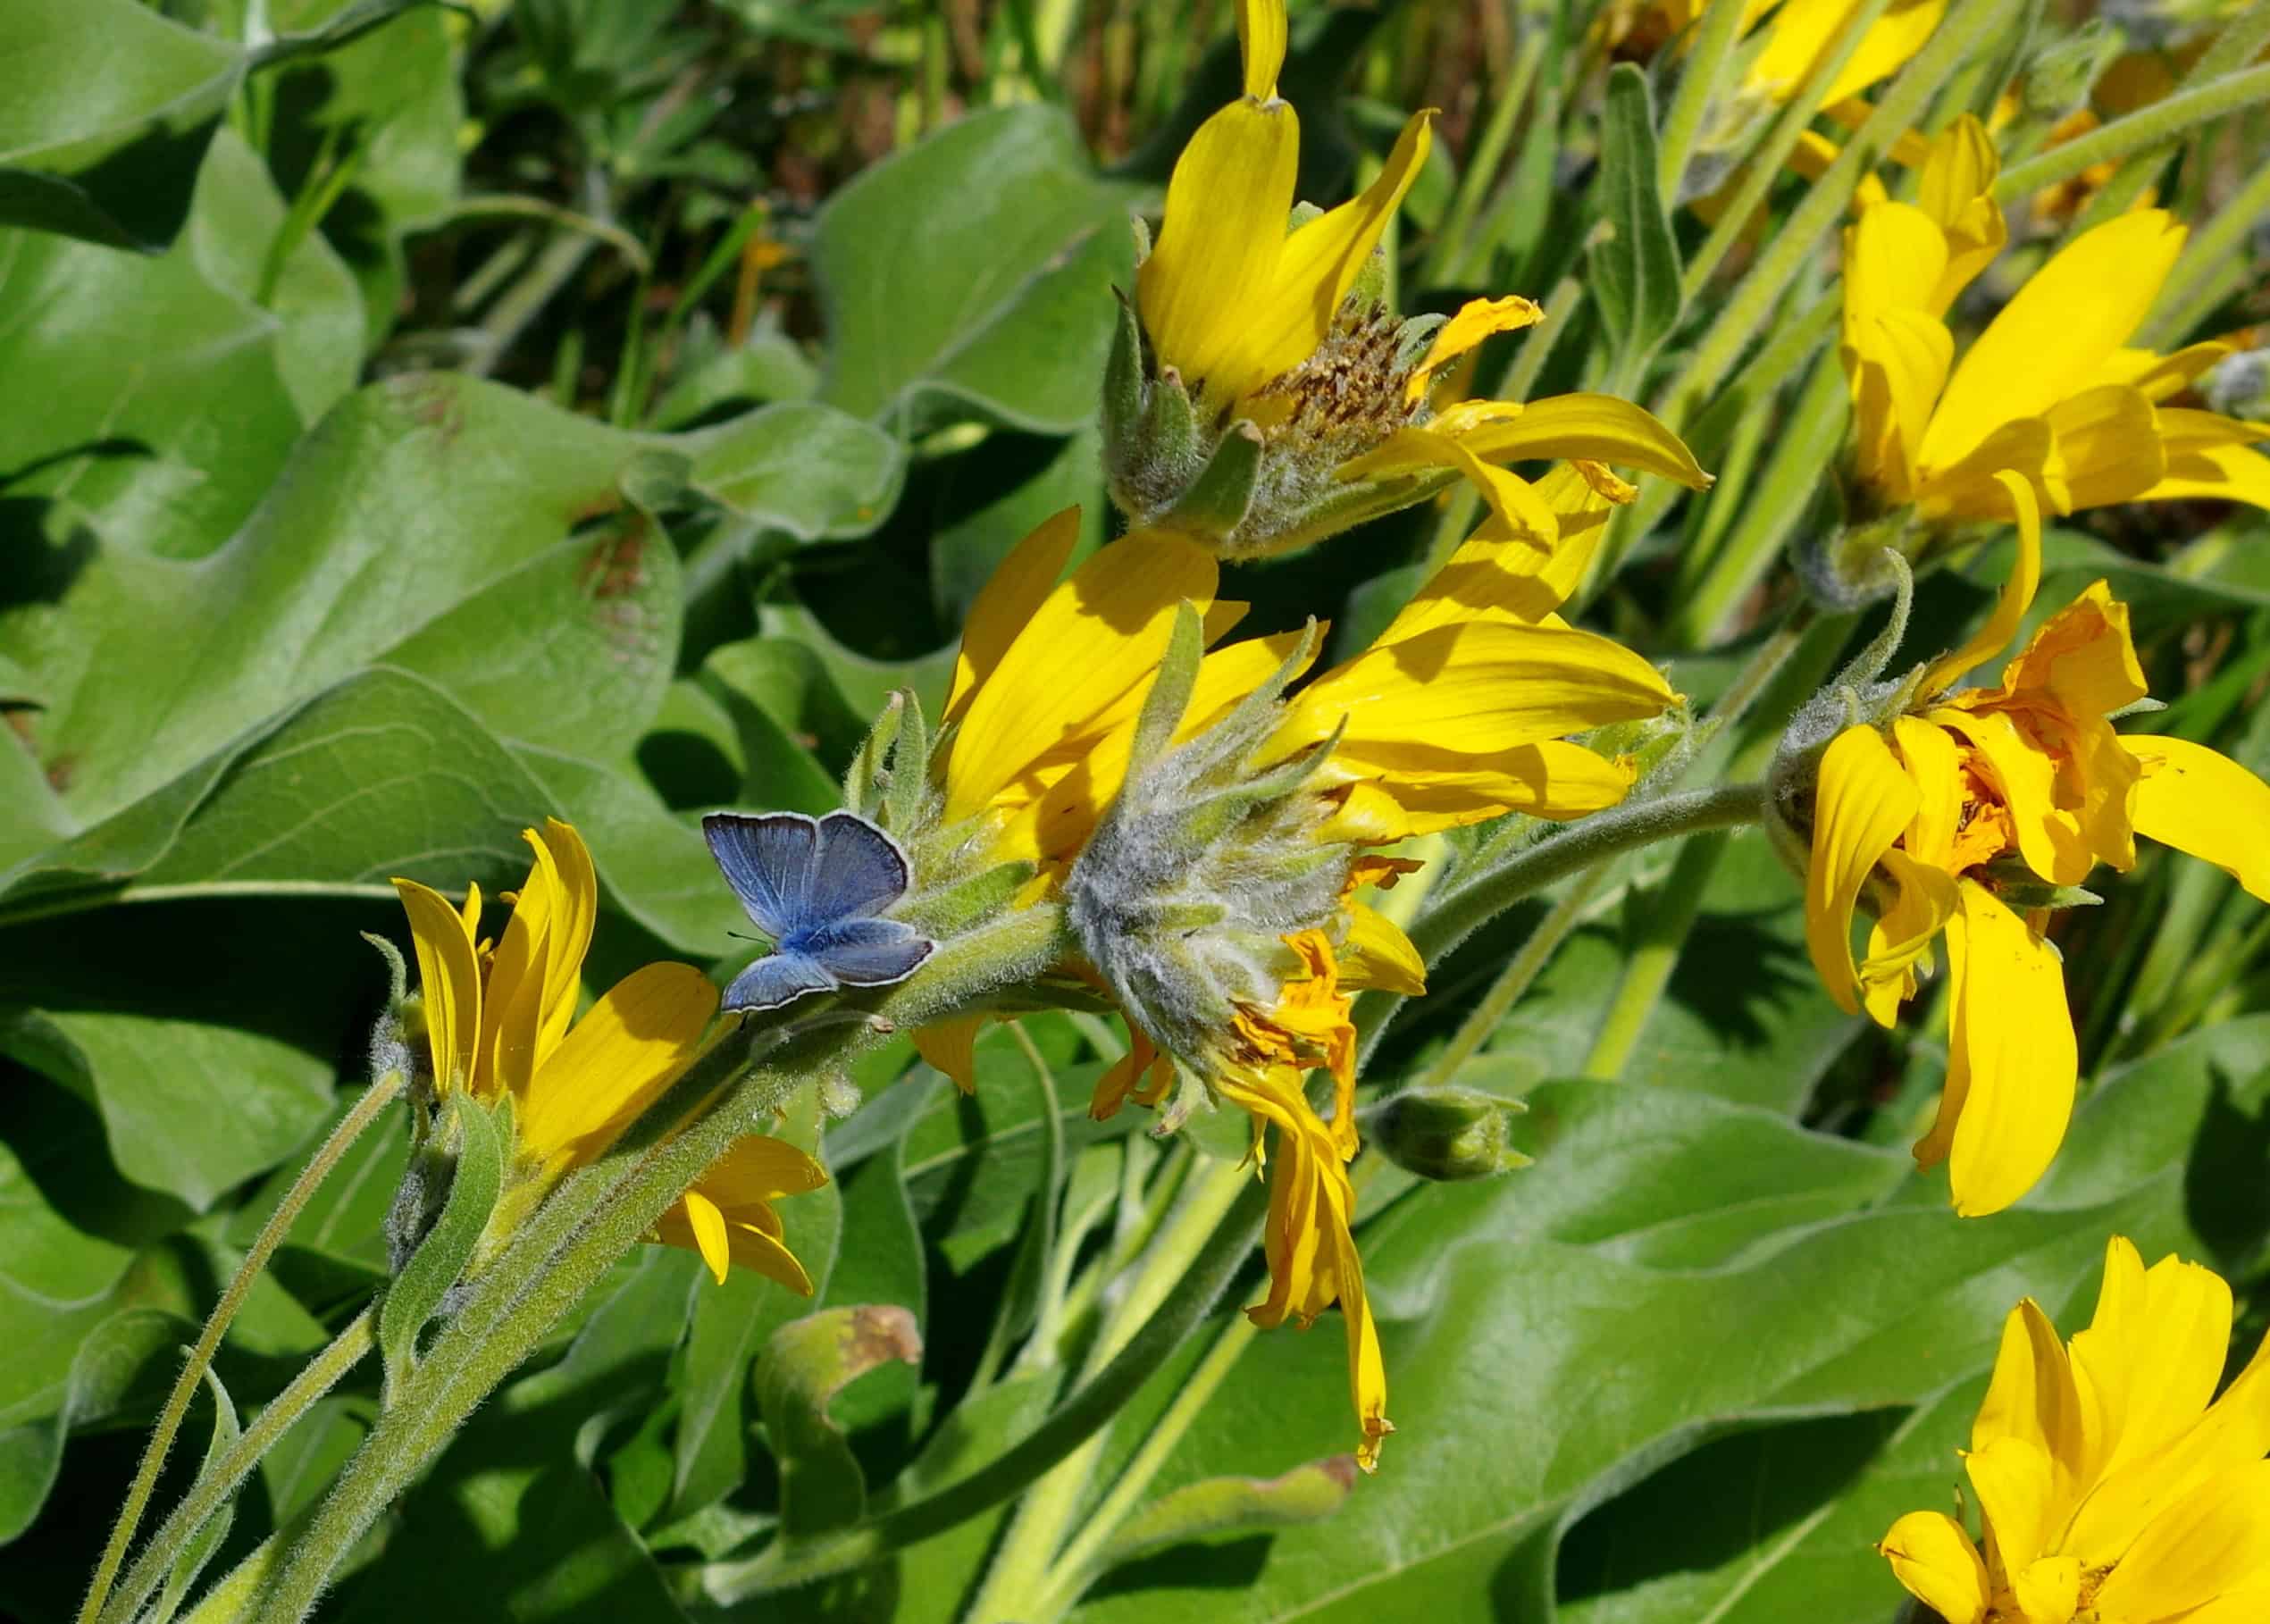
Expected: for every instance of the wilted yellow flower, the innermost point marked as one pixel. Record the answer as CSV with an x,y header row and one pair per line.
x,y
2050,392
1965,815
500,1021
2114,1492
1265,340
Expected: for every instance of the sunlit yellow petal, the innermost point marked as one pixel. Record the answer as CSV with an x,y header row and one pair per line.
x,y
449,980
1972,486
1936,769
1894,255
1260,42
1011,596
757,1169
2031,1398
513,1006
1434,789
1923,898
1599,428
1219,240
2082,657
2015,1484
707,1225
1863,800
1934,1559
2024,775
1514,502
2196,800
2016,597
1377,954
2152,1357
2213,1543
628,1048
1098,634
2012,1062
2212,472
2159,376
1476,320
2105,445
1896,363
2050,339
2050,1587
574,912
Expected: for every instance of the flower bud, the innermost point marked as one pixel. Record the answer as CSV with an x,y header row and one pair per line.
x,y
1448,1134
2059,77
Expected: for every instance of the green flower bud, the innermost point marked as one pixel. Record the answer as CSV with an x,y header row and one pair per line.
x,y
1448,1134
2059,77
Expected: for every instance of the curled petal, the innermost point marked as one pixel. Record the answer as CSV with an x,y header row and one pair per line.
x,y
1863,801
1934,1559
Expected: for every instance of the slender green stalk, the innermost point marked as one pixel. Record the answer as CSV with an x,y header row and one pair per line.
x,y
600,1212
1094,1403
1022,1569
1446,260
2214,264
1468,906
1514,982
211,1490
1669,916
2147,127
375,1098
1027,1280
521,303
1702,79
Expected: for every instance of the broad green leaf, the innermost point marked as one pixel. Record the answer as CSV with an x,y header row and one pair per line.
x,y
109,1359
1005,314
1634,272
478,1163
878,1262
806,1363
797,466
190,1108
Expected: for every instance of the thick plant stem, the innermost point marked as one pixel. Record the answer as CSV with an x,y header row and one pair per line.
x,y
1067,1426
375,1098
2147,127
600,1212
1021,1571
1465,907
223,1478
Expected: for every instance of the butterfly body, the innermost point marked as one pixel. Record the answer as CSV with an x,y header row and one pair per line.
x,y
820,888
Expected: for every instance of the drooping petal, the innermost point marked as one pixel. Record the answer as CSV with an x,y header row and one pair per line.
x,y
706,1228
1863,800
1377,954
1922,899
628,1048
1475,319
1597,428
757,1169
2050,341
449,979
2198,801
1514,502
951,1046
2011,1058
1220,242
1097,635
2213,1543
1011,596
1934,1559
1281,326
2009,609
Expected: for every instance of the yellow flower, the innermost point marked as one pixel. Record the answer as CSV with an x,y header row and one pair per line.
x,y
1796,34
1963,816
2051,392
500,1021
1266,328
2113,1491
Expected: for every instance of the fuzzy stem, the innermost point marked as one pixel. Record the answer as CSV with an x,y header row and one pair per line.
x,y
600,1212
213,1489
1515,980
2147,127
365,1112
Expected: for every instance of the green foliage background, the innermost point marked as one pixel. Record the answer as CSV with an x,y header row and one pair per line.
x,y
418,421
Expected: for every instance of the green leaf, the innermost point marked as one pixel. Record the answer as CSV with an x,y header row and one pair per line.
x,y
157,1081
1635,271
806,1364
800,467
1006,313
879,1263
207,1539
126,1359
482,1152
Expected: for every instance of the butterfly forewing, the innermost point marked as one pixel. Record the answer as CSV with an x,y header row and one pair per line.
x,y
768,862
777,979
859,872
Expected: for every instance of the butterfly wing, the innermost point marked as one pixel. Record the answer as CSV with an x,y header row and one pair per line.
x,y
768,859
859,870
777,979
869,952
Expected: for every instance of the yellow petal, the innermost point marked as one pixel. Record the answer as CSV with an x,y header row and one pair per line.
x,y
1466,690
513,1003
2213,1543
1520,514
2024,775
1599,428
1319,261
575,907
2031,1398
1436,789
1863,799
707,1225
1894,255
2012,1060
2160,376
2191,798
449,979
1260,42
2216,473
1219,240
1097,635
1935,767
1012,595
2050,1588
1377,954
1488,579
1962,167
1896,364
951,1046
2015,1484
1923,897
1934,1559
757,1169
1972,487
2082,657
2151,1358
2105,445
2050,341
615,1061
1476,320
2017,594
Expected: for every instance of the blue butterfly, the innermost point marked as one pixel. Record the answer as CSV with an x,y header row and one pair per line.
x,y
816,888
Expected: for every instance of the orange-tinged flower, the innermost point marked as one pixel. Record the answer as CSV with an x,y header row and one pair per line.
x,y
501,1022
2114,1491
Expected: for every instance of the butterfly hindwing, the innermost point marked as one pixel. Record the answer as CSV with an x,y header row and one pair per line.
x,y
859,870
869,952
768,862
777,979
